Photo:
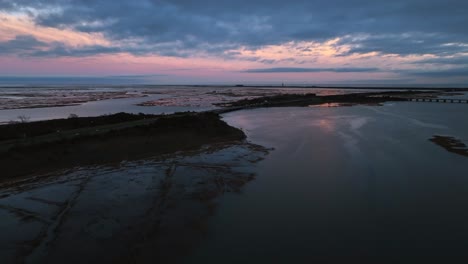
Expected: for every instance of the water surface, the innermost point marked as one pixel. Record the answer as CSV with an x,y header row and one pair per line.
x,y
361,182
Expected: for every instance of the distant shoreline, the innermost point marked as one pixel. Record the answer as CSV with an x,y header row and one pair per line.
x,y
90,86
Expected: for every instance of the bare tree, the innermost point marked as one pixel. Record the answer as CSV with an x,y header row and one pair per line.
x,y
24,118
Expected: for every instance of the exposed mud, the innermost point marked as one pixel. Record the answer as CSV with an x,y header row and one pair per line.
x,y
451,144
214,96
57,98
144,211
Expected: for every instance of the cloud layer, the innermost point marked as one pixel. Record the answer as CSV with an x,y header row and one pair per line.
x,y
434,31
399,26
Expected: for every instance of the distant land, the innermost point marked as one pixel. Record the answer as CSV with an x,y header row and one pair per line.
x,y
19,81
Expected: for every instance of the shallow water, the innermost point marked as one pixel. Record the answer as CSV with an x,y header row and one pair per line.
x,y
95,108
360,181
159,99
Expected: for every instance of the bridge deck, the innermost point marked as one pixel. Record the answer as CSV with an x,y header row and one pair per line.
x,y
439,100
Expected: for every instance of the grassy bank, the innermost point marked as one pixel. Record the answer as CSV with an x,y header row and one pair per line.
x,y
77,143
312,99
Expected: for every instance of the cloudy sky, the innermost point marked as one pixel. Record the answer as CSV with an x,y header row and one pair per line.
x,y
257,41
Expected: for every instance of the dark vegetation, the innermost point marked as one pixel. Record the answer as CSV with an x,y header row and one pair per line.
x,y
312,99
451,144
166,134
31,129
283,99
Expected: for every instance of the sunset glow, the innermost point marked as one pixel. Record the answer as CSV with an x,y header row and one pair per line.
x,y
51,40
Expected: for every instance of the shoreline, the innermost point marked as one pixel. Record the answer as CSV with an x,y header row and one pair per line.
x,y
332,86
188,97
285,100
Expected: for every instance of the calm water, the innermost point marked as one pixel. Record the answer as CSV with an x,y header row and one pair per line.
x,y
347,182
360,181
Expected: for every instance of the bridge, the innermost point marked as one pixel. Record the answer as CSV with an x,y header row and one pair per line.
x,y
438,100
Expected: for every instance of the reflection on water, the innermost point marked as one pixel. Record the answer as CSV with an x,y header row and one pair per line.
x,y
326,125
147,211
332,105
362,182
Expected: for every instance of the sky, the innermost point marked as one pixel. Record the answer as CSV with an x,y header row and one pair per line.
x,y
348,42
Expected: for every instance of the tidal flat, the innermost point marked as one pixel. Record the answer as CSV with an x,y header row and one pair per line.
x,y
145,211
117,188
